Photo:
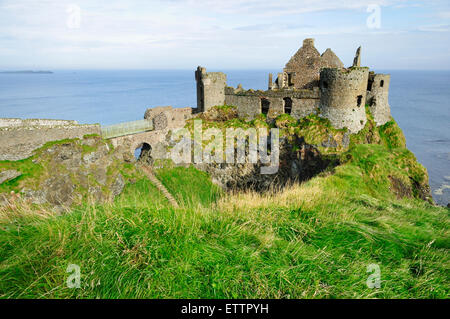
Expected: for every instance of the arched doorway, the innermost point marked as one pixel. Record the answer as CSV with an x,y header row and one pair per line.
x,y
143,153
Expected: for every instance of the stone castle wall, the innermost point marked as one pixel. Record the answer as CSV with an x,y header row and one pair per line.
x,y
249,102
304,67
377,97
210,89
19,138
343,97
168,117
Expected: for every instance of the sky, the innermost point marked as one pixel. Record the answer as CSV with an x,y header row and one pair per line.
x,y
220,34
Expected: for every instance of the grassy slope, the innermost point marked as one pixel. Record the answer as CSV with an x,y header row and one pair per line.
x,y
312,240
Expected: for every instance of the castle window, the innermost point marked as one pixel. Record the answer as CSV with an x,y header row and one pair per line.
x,y
381,83
265,106
359,100
290,82
325,84
287,105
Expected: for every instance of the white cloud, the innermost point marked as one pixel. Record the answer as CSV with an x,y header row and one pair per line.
x,y
179,33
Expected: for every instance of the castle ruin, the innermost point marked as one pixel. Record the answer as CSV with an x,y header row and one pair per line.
x,y
310,83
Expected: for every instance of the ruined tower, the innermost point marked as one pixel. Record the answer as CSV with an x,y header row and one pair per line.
x,y
377,97
210,89
343,97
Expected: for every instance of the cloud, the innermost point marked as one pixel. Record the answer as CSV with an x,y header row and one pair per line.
x,y
435,28
172,33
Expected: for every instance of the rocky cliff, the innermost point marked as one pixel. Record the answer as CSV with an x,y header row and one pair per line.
x,y
67,172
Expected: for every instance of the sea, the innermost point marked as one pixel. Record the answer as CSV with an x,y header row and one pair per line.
x,y
420,103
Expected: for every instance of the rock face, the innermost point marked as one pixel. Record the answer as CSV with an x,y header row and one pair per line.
x,y
72,172
298,162
8,175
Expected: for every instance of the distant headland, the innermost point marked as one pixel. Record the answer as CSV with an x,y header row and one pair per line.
x,y
26,72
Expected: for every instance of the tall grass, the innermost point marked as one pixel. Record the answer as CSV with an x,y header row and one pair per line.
x,y
313,240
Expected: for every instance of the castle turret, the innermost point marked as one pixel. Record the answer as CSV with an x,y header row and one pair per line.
x,y
210,89
377,97
343,97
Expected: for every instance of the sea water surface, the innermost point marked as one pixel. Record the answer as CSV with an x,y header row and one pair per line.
x,y
420,103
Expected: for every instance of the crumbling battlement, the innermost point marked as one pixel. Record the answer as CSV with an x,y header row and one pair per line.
x,y
309,83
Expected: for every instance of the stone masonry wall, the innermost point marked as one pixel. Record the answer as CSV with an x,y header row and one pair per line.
x,y
19,141
306,64
248,102
343,97
168,117
304,107
377,97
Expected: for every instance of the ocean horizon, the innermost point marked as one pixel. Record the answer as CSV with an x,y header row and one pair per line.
x,y
419,100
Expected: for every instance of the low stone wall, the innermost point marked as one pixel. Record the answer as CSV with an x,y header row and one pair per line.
x,y
13,122
19,139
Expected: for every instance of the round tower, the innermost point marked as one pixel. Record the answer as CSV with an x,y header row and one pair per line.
x,y
377,97
343,97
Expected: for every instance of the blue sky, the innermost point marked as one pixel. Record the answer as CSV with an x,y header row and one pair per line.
x,y
231,34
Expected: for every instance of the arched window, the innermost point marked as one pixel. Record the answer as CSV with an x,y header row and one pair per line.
x,y
381,83
265,106
287,105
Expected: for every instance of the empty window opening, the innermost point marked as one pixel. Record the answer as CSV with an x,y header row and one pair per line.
x,y
143,153
359,100
325,84
290,79
381,83
265,106
369,85
287,105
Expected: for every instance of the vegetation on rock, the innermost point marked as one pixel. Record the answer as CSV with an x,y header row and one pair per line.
x,y
309,240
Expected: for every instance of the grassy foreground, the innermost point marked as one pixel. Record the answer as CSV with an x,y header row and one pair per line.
x,y
313,240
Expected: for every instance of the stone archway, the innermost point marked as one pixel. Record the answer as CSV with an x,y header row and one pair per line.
x,y
143,153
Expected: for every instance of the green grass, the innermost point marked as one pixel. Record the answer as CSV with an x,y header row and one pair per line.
x,y
313,240
189,186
